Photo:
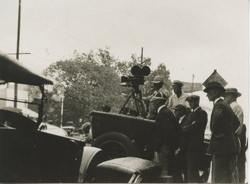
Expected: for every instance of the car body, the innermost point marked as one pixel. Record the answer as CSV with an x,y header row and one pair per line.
x,y
52,129
69,129
26,153
32,152
130,134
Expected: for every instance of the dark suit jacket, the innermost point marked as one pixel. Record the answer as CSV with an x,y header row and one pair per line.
x,y
183,120
243,139
221,125
193,129
166,130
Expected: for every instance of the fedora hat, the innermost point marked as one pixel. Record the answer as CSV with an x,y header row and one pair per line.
x,y
214,85
157,79
232,91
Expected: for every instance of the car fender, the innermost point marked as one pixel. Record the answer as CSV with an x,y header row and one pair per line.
x,y
88,156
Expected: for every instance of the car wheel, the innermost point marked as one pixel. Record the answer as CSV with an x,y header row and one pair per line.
x,y
116,145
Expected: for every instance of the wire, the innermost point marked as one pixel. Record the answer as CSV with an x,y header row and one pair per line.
x,y
64,33
41,58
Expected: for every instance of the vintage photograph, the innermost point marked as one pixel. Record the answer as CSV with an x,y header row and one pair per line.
x,y
124,91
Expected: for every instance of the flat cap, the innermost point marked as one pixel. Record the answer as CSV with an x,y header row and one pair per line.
x,y
180,106
177,82
193,98
157,79
214,85
232,91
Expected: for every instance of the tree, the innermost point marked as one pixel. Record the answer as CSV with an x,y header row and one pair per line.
x,y
52,107
89,81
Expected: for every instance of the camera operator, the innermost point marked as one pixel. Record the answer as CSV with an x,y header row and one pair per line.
x,y
158,83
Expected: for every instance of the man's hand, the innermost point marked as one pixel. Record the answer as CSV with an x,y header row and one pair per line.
x,y
177,151
184,128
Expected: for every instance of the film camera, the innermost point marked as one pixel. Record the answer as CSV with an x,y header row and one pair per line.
x,y
137,77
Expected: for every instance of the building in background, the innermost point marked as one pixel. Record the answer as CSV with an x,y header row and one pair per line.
x,y
191,87
7,92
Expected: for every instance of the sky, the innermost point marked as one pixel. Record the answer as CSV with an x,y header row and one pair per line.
x,y
192,37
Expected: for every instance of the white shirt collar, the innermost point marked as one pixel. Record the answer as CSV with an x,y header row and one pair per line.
x,y
181,118
216,100
196,109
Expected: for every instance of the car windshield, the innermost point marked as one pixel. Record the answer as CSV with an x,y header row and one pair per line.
x,y
11,70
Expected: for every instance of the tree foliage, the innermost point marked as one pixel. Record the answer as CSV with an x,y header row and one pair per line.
x,y
161,70
89,81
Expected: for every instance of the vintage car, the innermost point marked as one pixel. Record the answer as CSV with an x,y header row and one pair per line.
x,y
28,154
130,134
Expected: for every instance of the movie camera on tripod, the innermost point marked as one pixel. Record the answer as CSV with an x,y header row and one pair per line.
x,y
134,80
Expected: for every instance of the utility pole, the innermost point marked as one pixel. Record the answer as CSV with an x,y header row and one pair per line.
x,y
141,56
61,123
17,50
192,84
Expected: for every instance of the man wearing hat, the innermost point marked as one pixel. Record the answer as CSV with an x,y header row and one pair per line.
x,y
192,137
180,158
157,88
165,136
158,83
222,144
230,97
179,97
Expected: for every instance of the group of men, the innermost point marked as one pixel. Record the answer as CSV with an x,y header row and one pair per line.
x,y
178,136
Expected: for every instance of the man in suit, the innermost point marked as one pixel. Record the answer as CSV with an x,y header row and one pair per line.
x,y
180,112
192,138
165,136
230,97
222,144
181,115
242,155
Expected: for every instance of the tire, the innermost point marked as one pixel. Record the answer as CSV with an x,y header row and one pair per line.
x,y
116,145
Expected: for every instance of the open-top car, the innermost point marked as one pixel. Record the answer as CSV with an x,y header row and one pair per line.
x,y
129,133
28,154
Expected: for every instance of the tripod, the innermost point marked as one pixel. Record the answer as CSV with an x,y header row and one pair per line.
x,y
136,95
